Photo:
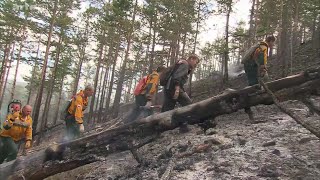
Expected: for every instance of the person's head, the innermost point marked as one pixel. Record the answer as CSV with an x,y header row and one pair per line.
x,y
160,69
193,60
270,40
88,91
15,107
26,110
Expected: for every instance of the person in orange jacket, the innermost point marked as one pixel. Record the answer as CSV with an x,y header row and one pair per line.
x,y
144,97
74,119
17,126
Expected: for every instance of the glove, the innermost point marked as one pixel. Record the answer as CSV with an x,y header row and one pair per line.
x,y
81,128
28,144
263,71
176,93
148,105
7,124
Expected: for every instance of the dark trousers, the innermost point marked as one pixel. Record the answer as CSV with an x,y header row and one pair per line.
x,y
169,103
72,128
140,101
251,70
8,149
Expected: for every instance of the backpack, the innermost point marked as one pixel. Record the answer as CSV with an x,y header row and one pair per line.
x,y
249,53
140,86
64,113
168,72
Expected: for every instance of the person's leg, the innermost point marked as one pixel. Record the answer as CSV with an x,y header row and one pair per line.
x,y
135,112
168,103
184,99
251,71
11,148
3,150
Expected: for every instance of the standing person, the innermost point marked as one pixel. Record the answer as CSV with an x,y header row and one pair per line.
x,y
74,118
17,127
173,88
144,91
256,62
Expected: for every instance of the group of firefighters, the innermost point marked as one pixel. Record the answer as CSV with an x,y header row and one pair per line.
x,y
17,127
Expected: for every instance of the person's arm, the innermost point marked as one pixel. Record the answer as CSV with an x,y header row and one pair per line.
x,y
177,76
78,110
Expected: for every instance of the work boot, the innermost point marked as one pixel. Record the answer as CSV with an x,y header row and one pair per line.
x,y
250,114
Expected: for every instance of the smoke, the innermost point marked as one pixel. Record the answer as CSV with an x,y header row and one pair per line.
x,y
235,70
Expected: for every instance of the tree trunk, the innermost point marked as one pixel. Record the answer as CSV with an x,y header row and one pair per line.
x,y
112,77
251,26
152,48
33,72
96,79
4,68
104,87
57,114
44,71
226,51
284,39
19,57
52,80
117,98
92,148
7,75
295,35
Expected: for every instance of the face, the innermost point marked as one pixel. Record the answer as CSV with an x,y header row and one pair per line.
x,y
89,92
194,62
27,110
15,107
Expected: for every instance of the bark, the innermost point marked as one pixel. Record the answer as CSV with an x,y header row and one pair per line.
x,y
45,114
69,155
96,79
33,72
226,52
7,75
44,70
104,87
19,57
59,102
112,77
251,26
117,98
4,68
152,48
284,39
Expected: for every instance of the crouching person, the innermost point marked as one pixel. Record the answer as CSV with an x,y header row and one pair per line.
x,y
17,126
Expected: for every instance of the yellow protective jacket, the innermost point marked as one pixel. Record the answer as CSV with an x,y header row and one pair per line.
x,y
151,86
78,105
262,53
18,127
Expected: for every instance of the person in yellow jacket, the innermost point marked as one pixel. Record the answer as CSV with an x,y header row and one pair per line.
x,y
257,64
74,119
143,99
17,126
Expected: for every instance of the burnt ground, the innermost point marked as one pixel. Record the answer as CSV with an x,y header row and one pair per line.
x,y
272,147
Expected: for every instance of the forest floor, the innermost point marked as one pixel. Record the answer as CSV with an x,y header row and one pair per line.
x,y
274,146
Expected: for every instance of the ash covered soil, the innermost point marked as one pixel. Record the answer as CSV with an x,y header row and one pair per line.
x,y
272,147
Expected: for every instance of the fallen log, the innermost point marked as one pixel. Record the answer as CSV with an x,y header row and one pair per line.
x,y
69,155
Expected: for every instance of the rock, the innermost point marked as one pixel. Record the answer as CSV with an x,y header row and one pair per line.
x,y
305,140
242,141
276,152
271,143
213,141
211,131
268,171
182,147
